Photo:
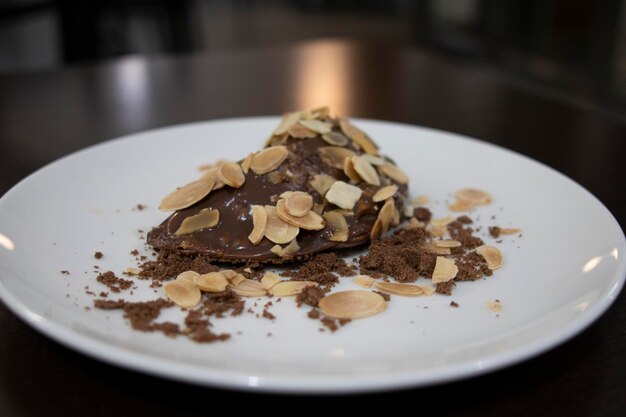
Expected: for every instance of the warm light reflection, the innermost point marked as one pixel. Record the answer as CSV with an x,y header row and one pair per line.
x,y
614,253
322,78
6,243
591,264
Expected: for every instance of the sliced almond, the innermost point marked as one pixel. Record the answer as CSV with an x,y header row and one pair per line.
x,y
291,249
236,279
245,164
420,200
132,271
318,113
377,229
415,224
311,221
429,247
322,182
334,156
494,306
182,292
335,139
231,174
212,173
365,170
269,280
394,173
437,230
206,218
364,281
509,231
386,214
300,132
297,203
348,169
445,270
317,126
343,195
277,250
384,193
354,304
211,282
474,196
358,136
443,221
339,231
448,243
259,223
318,208
277,230
289,119
188,195
397,288
248,288
268,159
187,276
374,160
461,205
228,273
492,256
287,288
408,210
427,289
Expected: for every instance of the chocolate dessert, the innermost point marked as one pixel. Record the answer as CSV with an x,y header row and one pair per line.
x,y
320,183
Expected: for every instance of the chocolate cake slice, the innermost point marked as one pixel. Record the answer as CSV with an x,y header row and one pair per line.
x,y
319,184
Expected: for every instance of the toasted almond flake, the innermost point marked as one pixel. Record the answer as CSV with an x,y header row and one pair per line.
x,y
445,270
246,291
415,224
343,195
277,230
355,304
443,221
365,170
377,229
318,113
364,281
420,200
336,139
429,247
228,273
259,223
492,256
509,231
374,160
212,173
290,250
231,174
300,132
386,214
269,280
297,203
287,288
250,283
236,279
211,282
206,218
317,126
322,183
461,205
187,276
268,159
132,271
275,177
358,136
494,306
248,269
343,212
184,293
448,243
384,193
334,156
338,225
437,230
188,195
394,173
408,210
348,169
289,119
397,288
245,165
474,196
277,250
318,208
311,221
396,214
427,289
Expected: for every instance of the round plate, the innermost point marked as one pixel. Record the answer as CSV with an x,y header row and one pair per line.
x,y
558,277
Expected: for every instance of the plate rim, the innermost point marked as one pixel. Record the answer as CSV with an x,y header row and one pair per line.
x,y
235,379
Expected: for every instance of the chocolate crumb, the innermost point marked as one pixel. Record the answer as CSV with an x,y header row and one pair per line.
x,y
454,304
386,296
310,295
330,324
314,314
134,252
141,207
422,214
109,304
445,288
494,231
65,272
114,283
268,315
98,255
464,219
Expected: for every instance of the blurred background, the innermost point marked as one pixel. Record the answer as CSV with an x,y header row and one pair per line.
x,y
571,47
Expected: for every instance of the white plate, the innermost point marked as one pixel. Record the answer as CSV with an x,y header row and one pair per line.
x,y
558,278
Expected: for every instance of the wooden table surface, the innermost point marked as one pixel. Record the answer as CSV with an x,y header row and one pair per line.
x,y
44,116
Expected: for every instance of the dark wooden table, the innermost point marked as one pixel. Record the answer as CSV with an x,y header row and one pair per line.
x,y
47,115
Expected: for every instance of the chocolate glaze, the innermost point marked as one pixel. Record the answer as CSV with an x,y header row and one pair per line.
x,y
228,241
